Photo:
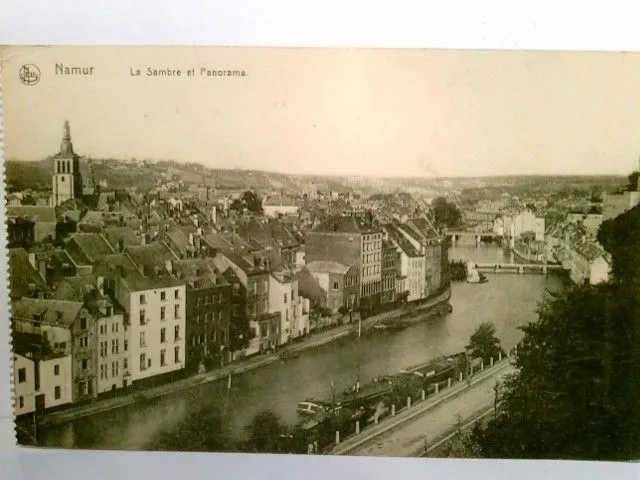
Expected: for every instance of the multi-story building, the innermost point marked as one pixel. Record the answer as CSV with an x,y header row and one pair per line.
x,y
350,240
111,339
154,305
69,329
284,298
42,379
589,263
390,261
411,279
331,277
208,314
263,325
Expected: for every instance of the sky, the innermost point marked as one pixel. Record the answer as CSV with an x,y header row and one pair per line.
x,y
334,111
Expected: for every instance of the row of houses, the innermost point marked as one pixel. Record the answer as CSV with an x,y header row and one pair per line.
x,y
361,263
113,315
573,244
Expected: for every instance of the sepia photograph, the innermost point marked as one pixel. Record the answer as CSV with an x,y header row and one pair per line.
x,y
324,251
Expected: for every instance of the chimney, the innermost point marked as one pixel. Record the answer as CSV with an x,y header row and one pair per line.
x,y
32,260
168,264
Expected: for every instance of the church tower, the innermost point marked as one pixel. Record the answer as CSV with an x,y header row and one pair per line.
x,y
67,181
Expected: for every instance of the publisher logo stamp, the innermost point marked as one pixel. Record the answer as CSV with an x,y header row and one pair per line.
x,y
29,74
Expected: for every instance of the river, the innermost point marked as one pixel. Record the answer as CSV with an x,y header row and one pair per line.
x,y
507,300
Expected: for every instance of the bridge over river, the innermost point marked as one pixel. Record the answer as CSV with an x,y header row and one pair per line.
x,y
520,268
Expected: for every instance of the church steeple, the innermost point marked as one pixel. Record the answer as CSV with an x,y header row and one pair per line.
x,y
66,147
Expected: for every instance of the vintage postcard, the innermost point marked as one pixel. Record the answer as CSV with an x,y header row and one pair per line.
x,y
410,253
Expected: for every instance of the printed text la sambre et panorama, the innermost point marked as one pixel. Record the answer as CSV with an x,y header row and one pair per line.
x,y
190,72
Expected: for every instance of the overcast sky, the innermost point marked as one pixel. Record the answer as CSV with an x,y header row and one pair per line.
x,y
365,112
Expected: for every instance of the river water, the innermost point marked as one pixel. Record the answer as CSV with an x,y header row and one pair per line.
x,y
507,300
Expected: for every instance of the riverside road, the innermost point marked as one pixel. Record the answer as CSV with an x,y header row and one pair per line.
x,y
407,434
506,301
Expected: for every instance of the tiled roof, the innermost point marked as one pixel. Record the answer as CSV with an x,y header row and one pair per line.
x,y
87,248
32,212
74,288
93,216
327,266
403,243
128,236
51,312
22,274
204,270
151,255
279,201
340,224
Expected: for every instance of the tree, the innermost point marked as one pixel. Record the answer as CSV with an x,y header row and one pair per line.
x,y
633,181
484,343
200,431
464,444
446,214
575,395
248,200
266,433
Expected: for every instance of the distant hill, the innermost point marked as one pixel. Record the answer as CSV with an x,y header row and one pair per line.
x,y
22,175
27,175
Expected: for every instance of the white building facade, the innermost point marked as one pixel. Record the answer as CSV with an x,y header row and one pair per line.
x,y
156,334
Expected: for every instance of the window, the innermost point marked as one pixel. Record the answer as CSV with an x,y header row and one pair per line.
x,y
285,298
143,299
236,289
162,313
336,286
103,371
176,311
177,332
126,345
142,317
114,369
56,369
21,401
56,392
163,335
22,375
84,341
176,294
113,347
86,364
163,361
149,363
176,355
143,343
163,296
108,311
83,324
125,363
143,362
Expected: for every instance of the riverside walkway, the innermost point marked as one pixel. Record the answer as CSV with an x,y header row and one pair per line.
x,y
418,429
